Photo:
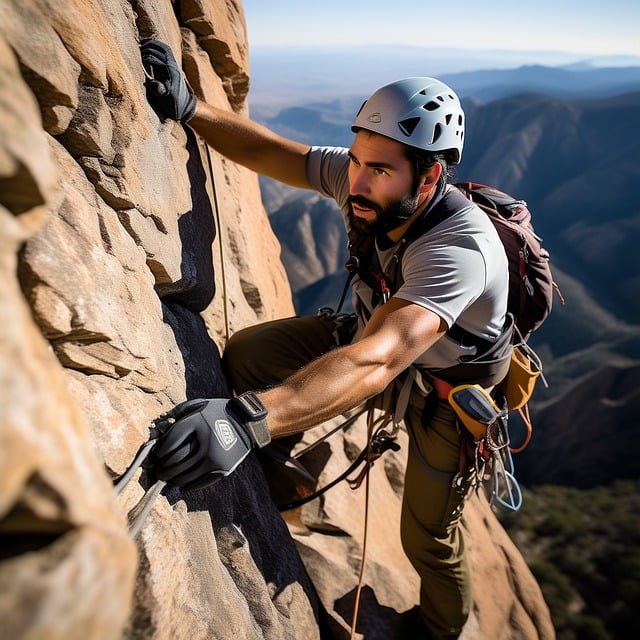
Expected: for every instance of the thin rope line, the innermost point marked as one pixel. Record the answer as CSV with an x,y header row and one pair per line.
x,y
356,605
225,301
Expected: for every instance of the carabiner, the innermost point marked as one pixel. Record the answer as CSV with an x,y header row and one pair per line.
x,y
141,509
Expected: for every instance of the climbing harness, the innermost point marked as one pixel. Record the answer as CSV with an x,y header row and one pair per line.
x,y
488,424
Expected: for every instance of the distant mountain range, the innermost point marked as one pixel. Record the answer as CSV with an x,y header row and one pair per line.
x,y
288,76
575,161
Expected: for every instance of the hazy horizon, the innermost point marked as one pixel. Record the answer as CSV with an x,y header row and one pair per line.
x,y
286,75
315,50
584,28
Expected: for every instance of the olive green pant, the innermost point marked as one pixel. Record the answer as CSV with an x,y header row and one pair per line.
x,y
266,354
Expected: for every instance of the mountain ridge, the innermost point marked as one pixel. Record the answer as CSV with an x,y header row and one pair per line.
x,y
288,76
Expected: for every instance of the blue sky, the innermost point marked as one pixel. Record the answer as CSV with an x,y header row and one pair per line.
x,y
591,27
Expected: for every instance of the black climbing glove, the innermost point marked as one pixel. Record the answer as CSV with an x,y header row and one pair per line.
x,y
167,89
202,441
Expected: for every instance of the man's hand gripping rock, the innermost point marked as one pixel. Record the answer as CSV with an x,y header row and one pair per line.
x,y
167,89
202,441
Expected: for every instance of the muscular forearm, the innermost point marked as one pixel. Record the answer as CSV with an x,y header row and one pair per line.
x,y
251,145
329,386
345,377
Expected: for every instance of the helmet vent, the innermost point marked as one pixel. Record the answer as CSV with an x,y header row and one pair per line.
x,y
432,105
437,132
408,126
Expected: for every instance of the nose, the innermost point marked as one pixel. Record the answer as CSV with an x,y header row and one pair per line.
x,y
358,183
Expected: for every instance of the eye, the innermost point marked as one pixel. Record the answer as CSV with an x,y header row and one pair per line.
x,y
380,172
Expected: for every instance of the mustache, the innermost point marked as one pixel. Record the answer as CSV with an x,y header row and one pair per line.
x,y
363,202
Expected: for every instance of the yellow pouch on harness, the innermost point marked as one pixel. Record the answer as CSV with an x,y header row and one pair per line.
x,y
474,407
524,371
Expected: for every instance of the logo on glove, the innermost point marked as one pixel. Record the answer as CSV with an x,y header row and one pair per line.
x,y
225,434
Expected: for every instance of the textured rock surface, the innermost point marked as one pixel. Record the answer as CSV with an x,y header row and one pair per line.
x,y
128,252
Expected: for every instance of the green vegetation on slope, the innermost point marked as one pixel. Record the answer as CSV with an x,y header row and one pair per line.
x,y
583,546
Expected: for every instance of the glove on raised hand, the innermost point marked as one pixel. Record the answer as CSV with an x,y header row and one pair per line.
x,y
167,89
202,441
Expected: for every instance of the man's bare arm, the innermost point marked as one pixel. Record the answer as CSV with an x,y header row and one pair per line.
x,y
343,378
252,145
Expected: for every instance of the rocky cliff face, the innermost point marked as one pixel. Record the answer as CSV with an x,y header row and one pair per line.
x,y
129,252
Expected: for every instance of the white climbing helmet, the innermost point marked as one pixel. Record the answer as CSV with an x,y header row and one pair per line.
x,y
421,112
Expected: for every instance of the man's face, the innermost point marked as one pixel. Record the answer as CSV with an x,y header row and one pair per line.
x,y
380,183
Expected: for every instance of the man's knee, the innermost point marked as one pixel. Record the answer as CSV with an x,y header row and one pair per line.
x,y
423,543
248,361
266,354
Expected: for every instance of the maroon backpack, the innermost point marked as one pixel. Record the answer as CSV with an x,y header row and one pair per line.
x,y
531,284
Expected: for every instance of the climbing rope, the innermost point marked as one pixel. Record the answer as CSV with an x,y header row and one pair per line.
x,y
365,532
223,275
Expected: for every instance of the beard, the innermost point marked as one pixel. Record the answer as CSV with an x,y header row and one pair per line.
x,y
387,218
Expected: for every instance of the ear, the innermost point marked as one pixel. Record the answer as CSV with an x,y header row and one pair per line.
x,y
430,177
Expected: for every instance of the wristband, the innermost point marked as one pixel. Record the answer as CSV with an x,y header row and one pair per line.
x,y
249,408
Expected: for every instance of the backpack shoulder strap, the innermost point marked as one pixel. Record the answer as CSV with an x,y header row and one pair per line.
x,y
451,201
490,365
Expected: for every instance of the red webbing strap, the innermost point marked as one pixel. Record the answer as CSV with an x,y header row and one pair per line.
x,y
442,388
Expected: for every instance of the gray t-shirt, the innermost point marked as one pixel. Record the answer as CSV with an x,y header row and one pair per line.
x,y
458,269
